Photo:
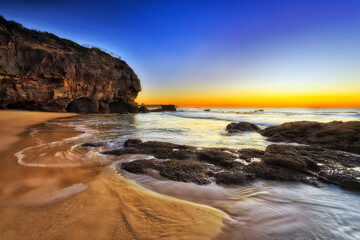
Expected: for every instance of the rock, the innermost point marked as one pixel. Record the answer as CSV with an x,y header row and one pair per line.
x,y
271,172
237,177
168,108
291,157
242,127
144,109
177,170
132,142
122,106
206,110
165,108
307,164
216,157
328,165
248,153
40,71
138,166
121,151
344,136
82,105
93,144
259,111
185,171
163,145
161,150
346,178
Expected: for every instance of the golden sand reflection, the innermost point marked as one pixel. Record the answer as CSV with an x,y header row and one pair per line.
x,y
90,203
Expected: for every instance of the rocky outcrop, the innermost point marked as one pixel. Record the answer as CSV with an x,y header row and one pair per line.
x,y
165,108
344,136
93,144
242,127
228,166
143,109
40,71
168,108
176,170
162,108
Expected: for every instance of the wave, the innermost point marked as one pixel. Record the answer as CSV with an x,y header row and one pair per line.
x,y
357,115
56,157
61,153
276,111
225,119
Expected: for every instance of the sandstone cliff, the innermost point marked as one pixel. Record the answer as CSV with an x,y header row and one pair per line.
x,y
40,71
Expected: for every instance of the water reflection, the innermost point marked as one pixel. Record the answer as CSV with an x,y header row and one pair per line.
x,y
270,209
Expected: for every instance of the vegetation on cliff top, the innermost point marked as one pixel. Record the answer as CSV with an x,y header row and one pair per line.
x,y
45,37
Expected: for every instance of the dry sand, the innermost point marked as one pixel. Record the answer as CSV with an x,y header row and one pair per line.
x,y
82,203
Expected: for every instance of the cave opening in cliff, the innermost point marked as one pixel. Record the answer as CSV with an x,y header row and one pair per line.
x,y
82,105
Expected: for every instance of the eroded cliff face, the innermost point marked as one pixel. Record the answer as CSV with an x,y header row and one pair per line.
x,y
40,71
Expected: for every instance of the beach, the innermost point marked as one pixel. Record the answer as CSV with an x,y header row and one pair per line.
x,y
85,202
68,176
13,122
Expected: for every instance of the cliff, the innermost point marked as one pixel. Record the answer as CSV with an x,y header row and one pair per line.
x,y
40,71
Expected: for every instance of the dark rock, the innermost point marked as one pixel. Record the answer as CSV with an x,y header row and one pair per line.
x,y
156,144
328,165
144,109
177,170
278,162
40,71
242,127
344,136
138,166
217,157
122,151
296,158
169,108
165,108
82,105
259,111
271,172
93,144
185,171
132,142
103,107
345,178
237,177
161,150
207,110
248,153
123,106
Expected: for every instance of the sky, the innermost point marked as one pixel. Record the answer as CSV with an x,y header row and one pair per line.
x,y
257,53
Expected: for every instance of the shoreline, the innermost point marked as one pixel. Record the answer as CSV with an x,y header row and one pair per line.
x,y
15,122
118,207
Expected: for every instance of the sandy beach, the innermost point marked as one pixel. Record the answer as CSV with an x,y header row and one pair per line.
x,y
13,122
86,203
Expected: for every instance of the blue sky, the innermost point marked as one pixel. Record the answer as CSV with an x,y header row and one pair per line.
x,y
204,49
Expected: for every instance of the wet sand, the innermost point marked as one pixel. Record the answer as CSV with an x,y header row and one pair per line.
x,y
13,122
86,203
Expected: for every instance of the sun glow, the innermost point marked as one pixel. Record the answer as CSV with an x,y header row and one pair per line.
x,y
253,99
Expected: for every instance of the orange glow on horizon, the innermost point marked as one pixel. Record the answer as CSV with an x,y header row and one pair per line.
x,y
254,99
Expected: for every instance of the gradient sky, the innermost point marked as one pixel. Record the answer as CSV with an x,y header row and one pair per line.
x,y
254,53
